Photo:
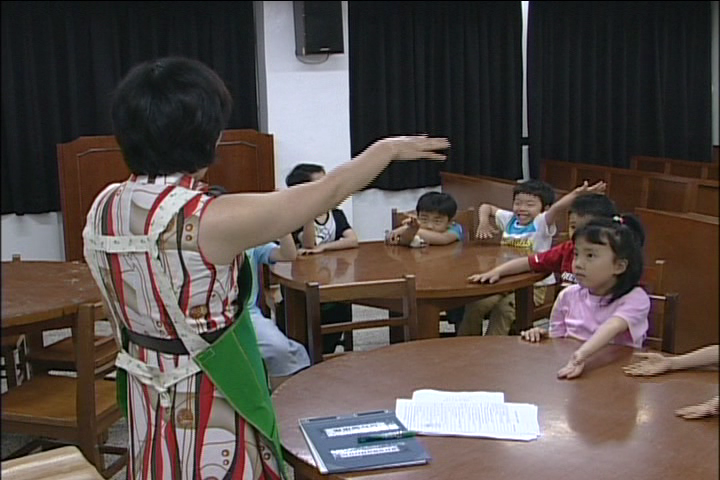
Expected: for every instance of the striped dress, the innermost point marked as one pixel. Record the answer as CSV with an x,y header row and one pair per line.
x,y
199,436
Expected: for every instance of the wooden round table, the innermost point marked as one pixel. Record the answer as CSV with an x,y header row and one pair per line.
x,y
35,293
602,425
440,277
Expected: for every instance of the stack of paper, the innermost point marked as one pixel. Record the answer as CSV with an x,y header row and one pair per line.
x,y
471,414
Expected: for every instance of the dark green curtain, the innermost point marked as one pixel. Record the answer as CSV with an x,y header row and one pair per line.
x,y
444,68
608,80
62,60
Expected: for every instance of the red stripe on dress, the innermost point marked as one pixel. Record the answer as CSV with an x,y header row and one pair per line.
x,y
268,472
149,412
211,325
237,467
157,470
164,317
188,210
114,263
205,397
186,181
172,444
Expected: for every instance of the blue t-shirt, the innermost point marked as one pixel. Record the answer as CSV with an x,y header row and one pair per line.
x,y
258,256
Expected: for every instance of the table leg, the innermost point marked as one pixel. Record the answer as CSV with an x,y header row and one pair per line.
x,y
295,315
428,319
524,307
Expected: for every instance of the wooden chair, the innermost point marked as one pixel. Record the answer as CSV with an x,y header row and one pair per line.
x,y
64,463
15,368
402,289
661,320
66,409
467,218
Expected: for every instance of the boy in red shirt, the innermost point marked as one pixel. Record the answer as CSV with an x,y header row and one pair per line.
x,y
557,260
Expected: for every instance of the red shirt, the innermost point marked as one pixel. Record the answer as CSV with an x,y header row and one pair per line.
x,y
557,260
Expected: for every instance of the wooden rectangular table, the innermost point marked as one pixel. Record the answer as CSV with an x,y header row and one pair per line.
x,y
440,273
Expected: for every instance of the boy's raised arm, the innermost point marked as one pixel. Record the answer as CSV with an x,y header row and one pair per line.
x,y
561,206
485,228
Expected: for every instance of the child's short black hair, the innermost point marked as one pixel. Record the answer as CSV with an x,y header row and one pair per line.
x,y
302,173
437,202
625,235
594,205
543,190
168,114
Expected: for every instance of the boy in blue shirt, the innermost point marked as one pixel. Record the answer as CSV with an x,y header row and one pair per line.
x,y
432,222
282,355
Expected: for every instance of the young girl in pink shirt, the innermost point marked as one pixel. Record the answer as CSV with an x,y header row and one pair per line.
x,y
606,305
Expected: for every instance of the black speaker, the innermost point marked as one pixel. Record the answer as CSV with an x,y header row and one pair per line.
x,y
318,27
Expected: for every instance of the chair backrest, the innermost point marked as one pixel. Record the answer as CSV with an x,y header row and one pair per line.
x,y
467,218
86,165
661,322
652,277
402,290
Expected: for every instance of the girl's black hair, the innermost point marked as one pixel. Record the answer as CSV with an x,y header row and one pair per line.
x,y
625,235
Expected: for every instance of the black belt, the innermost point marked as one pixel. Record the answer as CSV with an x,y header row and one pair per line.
x,y
172,346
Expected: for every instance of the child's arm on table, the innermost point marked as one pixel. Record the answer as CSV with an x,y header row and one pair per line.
x,y
514,266
657,363
348,240
602,336
557,327
437,238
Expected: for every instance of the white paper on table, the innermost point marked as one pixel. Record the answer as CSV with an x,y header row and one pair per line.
x,y
429,395
509,421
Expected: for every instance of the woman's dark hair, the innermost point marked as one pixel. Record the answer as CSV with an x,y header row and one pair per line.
x,y
537,188
625,235
168,115
302,173
437,202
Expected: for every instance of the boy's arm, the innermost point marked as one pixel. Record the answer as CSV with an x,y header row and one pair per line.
x,y
514,266
307,236
561,206
348,240
286,252
486,228
436,238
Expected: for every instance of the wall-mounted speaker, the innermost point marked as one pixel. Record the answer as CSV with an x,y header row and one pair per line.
x,y
318,27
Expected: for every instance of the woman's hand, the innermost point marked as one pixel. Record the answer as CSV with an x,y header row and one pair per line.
x,y
706,409
653,364
574,367
533,335
598,187
416,147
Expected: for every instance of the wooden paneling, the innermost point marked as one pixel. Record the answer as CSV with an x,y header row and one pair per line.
x,y
472,191
245,163
689,245
672,166
634,188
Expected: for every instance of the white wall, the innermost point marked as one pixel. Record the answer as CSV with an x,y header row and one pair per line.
x,y
34,237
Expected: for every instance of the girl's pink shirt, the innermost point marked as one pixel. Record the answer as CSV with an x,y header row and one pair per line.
x,y
578,314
